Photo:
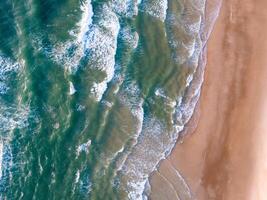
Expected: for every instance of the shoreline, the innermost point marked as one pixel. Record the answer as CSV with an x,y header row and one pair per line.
x,y
225,155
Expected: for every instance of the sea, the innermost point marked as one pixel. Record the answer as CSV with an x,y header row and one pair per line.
x,y
95,93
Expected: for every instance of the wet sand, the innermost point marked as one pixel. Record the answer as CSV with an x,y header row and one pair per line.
x,y
225,158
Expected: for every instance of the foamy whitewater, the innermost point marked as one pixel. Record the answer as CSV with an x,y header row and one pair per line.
x,y
94,94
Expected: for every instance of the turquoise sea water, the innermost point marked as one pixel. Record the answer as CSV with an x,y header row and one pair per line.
x,y
93,94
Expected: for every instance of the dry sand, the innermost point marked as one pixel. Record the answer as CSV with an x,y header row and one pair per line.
x,y
225,158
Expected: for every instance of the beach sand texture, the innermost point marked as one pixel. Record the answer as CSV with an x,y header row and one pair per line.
x,y
225,157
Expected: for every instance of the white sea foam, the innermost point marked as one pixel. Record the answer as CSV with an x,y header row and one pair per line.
x,y
130,37
122,159
98,90
86,20
12,118
156,8
40,165
6,162
108,104
189,79
125,8
130,94
3,88
160,92
101,43
168,101
152,144
59,52
138,112
7,67
1,156
77,176
98,40
130,97
84,147
187,22
71,89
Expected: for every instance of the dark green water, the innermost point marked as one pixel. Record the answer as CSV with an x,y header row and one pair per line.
x,y
94,94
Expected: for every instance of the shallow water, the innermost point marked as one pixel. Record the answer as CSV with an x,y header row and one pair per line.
x,y
94,93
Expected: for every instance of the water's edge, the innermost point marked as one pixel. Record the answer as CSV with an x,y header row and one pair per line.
x,y
211,15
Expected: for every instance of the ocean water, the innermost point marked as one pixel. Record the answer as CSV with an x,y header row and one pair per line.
x,y
94,93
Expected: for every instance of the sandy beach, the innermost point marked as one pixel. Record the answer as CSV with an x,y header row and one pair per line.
x,y
225,157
